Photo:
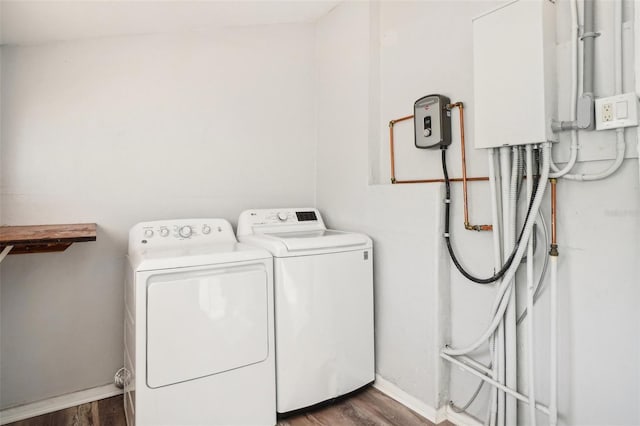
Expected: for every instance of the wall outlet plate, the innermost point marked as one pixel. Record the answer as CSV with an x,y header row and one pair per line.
x,y
617,111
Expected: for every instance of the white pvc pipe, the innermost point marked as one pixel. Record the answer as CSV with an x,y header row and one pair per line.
x,y
504,286
500,386
553,349
620,150
620,139
497,261
617,45
530,293
573,149
475,364
495,210
511,344
505,175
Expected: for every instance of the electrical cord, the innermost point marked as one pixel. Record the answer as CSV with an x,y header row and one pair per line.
x,y
447,236
473,397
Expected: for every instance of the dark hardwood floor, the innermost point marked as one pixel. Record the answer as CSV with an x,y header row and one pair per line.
x,y
367,408
106,412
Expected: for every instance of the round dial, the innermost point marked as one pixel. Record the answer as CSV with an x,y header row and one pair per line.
x,y
148,233
206,229
164,232
282,216
185,231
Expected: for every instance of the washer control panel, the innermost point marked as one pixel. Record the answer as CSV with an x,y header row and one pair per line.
x,y
289,218
181,232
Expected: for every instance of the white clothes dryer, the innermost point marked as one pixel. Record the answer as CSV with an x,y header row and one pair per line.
x,y
199,330
324,304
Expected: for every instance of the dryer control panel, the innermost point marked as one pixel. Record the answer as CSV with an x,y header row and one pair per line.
x,y
181,232
289,219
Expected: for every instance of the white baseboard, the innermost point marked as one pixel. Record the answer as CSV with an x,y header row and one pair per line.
x,y
50,405
410,401
461,419
425,410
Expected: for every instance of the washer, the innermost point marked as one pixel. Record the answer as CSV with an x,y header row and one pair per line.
x,y
324,304
199,330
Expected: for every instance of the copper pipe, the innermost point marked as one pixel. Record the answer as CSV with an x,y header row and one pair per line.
x,y
464,178
391,143
554,214
471,179
460,107
393,160
397,120
463,154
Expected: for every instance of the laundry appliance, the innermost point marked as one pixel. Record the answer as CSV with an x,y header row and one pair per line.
x,y
199,329
324,304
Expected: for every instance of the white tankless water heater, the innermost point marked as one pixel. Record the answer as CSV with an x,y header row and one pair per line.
x,y
514,74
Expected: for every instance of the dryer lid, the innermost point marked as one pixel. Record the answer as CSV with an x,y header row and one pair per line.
x,y
181,257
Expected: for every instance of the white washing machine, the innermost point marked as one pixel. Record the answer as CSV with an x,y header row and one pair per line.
x,y
324,304
199,330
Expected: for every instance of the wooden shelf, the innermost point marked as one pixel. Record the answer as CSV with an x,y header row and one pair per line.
x,y
45,238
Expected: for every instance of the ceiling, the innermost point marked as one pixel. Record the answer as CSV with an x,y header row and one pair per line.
x,y
25,22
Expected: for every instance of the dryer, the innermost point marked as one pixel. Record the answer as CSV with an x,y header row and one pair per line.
x,y
324,304
199,330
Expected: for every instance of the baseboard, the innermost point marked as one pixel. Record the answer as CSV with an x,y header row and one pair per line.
x,y
50,405
410,401
425,410
461,419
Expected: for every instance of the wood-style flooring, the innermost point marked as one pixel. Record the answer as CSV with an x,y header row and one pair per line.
x,y
367,408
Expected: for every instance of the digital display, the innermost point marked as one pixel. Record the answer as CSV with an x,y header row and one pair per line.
x,y
306,216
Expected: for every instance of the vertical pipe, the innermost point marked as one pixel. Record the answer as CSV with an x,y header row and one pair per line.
x,y
497,261
553,313
511,344
588,47
553,297
530,293
464,166
505,175
392,153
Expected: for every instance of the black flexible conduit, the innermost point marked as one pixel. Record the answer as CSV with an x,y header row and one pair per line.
x,y
447,236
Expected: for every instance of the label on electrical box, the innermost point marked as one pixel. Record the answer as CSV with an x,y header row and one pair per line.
x,y
432,121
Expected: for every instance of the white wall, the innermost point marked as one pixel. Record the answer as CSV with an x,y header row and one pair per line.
x,y
426,47
122,130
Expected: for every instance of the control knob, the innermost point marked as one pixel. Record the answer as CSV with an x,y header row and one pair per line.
x,y
148,233
164,232
206,229
282,216
185,231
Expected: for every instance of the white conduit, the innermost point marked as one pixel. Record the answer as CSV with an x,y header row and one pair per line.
x,y
530,292
511,346
620,139
505,179
573,153
553,344
498,385
504,288
497,260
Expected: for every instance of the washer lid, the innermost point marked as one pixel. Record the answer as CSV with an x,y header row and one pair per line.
x,y
283,244
180,257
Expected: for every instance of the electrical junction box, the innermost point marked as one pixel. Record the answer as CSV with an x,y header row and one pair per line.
x,y
514,74
432,121
617,111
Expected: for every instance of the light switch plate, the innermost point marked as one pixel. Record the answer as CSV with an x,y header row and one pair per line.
x,y
617,111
